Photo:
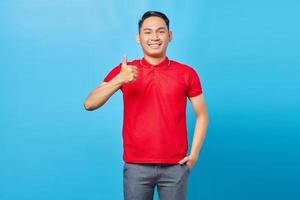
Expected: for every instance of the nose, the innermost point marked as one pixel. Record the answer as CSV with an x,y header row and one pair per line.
x,y
154,36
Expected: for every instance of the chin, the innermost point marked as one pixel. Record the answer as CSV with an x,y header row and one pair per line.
x,y
156,55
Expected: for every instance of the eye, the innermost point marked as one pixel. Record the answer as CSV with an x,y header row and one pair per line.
x,y
162,31
147,32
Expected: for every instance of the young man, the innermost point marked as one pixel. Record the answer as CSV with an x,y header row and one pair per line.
x,y
155,91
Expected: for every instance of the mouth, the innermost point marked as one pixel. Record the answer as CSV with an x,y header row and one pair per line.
x,y
154,45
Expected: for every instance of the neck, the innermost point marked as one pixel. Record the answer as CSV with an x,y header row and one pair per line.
x,y
155,60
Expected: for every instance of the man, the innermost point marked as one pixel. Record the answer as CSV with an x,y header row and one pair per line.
x,y
155,91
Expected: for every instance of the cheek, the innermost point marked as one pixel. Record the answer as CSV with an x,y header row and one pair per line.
x,y
144,44
166,38
144,41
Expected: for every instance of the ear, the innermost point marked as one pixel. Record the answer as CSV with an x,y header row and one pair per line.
x,y
137,38
170,36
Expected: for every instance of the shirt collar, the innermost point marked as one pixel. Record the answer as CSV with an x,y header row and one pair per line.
x,y
163,64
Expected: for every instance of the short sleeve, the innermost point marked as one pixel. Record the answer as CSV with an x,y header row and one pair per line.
x,y
115,71
194,85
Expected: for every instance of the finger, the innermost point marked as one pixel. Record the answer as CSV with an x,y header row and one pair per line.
x,y
124,62
184,160
134,67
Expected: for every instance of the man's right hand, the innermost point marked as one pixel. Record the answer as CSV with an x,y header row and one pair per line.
x,y
128,73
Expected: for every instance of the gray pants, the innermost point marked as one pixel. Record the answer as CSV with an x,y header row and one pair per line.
x,y
139,181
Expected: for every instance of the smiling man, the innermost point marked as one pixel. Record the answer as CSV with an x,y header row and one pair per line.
x,y
155,91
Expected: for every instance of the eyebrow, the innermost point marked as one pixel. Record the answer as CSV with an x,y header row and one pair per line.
x,y
149,29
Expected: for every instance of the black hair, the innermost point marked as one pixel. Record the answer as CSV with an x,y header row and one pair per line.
x,y
155,14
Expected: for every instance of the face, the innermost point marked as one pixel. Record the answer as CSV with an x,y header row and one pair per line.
x,y
154,37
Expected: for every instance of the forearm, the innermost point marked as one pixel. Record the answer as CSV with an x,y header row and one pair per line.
x,y
102,93
199,135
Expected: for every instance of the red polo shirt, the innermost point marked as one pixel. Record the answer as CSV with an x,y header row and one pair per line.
x,y
154,126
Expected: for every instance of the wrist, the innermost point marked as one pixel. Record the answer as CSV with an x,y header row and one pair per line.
x,y
193,157
120,79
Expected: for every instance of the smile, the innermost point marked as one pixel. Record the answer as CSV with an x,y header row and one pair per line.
x,y
154,46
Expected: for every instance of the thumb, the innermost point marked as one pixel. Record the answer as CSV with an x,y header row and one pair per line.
x,y
124,62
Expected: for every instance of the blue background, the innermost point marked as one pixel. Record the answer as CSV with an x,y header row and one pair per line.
x,y
53,53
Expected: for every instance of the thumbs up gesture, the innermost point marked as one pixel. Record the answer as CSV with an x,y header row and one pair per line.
x,y
129,73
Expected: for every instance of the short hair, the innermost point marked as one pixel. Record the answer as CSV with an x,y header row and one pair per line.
x,y
153,14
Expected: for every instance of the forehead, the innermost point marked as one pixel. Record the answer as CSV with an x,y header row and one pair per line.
x,y
154,22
